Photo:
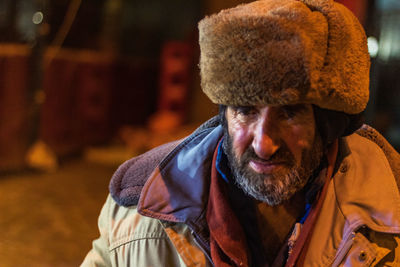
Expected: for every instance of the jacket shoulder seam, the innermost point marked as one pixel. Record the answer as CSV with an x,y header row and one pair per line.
x,y
136,237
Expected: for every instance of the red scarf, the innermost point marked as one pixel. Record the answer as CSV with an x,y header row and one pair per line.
x,y
227,239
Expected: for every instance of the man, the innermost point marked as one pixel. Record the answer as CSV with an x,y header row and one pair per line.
x,y
280,177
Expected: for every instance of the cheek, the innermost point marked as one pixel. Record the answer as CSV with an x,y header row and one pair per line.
x,y
240,137
298,139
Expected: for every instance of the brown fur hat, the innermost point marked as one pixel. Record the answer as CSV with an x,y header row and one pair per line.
x,y
281,52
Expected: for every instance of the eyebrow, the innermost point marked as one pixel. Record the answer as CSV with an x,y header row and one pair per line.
x,y
296,107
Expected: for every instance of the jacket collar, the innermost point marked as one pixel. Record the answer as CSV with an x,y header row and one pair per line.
x,y
365,187
177,190
127,182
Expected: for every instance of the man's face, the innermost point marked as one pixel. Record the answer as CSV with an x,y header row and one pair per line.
x,y
272,150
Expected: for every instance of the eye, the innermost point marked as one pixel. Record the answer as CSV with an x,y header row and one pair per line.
x,y
244,110
291,111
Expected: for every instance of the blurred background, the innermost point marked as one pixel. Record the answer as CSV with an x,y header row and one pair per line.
x,y
87,84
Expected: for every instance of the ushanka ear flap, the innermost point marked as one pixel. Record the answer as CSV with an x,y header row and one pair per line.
x,y
285,52
343,82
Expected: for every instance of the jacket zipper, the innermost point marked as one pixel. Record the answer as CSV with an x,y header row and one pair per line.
x,y
202,245
344,250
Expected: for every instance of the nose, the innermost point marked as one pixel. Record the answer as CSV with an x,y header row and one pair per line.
x,y
265,139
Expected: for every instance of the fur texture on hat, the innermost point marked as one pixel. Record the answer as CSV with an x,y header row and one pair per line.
x,y
281,52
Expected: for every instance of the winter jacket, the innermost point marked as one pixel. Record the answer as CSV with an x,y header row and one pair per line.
x,y
155,214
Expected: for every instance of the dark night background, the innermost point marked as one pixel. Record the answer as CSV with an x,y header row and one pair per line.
x,y
84,85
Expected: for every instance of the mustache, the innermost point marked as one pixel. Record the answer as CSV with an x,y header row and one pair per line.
x,y
282,155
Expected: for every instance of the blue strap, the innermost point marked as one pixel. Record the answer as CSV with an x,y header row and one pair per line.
x,y
221,162
306,212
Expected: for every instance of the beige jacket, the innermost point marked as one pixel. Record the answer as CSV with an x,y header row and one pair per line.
x,y
359,223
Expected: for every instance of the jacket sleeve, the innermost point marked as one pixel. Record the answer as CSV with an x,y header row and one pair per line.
x,y
99,255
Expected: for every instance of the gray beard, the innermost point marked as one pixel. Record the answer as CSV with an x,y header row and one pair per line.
x,y
276,188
